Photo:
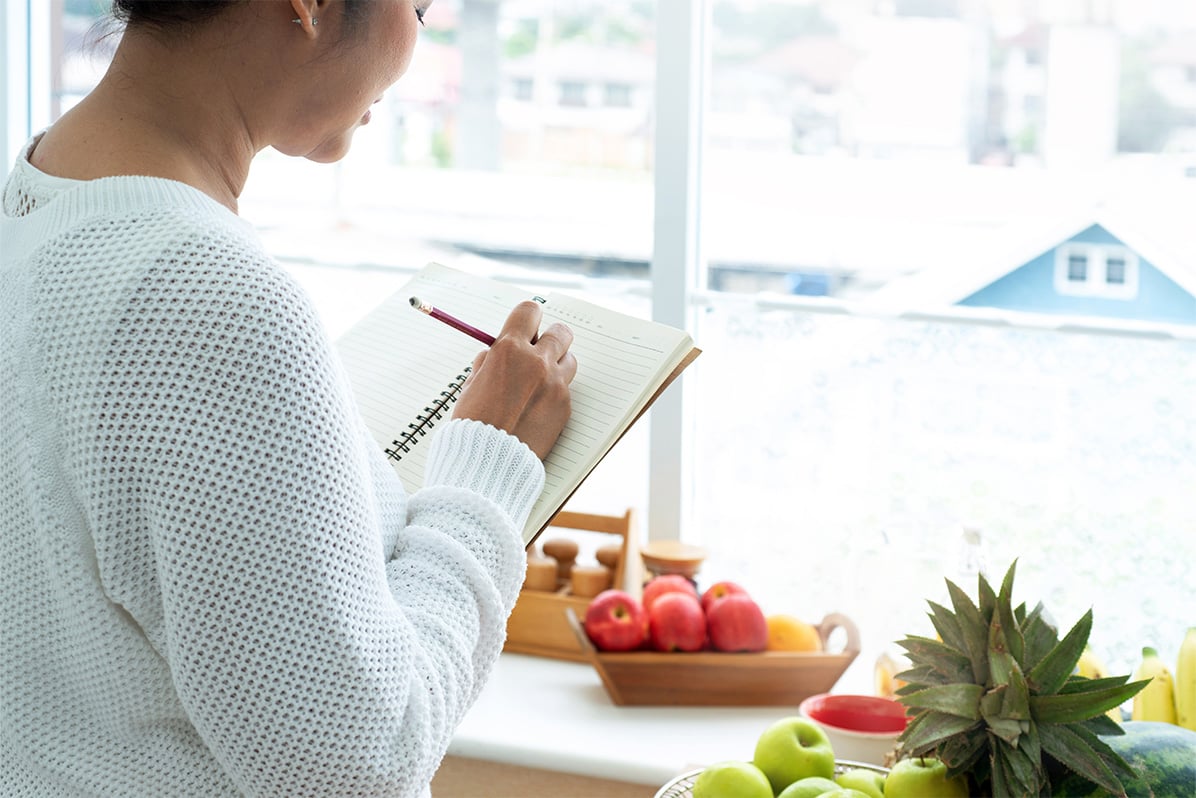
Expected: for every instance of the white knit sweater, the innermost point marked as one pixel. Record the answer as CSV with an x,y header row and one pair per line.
x,y
211,581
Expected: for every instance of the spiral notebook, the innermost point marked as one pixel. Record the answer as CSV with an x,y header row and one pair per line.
x,y
407,370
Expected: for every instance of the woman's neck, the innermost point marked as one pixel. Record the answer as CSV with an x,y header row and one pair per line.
x,y
144,118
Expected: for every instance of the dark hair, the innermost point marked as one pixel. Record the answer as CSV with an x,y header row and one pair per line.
x,y
166,15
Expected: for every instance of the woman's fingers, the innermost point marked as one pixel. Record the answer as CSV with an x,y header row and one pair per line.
x,y
555,341
521,383
524,321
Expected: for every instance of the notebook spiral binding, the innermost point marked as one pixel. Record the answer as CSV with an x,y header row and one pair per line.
x,y
426,420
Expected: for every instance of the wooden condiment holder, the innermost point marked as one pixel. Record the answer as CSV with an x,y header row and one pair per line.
x,y
538,624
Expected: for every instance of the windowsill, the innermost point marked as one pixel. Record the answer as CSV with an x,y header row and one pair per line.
x,y
544,713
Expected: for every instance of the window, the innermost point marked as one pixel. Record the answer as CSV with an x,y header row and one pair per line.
x,y
1115,266
617,95
523,88
573,93
1096,271
1077,268
853,147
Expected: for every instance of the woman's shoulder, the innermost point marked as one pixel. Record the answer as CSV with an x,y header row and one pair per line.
x,y
161,249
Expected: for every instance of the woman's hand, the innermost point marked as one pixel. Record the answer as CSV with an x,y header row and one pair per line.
x,y
521,383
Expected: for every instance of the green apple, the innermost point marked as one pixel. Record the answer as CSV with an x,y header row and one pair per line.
x,y
923,777
794,748
844,792
731,779
809,787
868,782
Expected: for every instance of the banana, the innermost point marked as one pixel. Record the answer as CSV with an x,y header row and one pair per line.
x,y
1155,701
1185,681
1090,667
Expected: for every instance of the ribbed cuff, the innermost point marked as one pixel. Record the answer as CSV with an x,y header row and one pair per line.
x,y
478,457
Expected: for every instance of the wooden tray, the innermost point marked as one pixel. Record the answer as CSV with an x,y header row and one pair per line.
x,y
712,678
538,625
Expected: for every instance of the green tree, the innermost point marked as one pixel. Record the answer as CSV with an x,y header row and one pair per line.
x,y
523,39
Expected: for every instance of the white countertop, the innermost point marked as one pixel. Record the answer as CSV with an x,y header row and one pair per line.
x,y
545,713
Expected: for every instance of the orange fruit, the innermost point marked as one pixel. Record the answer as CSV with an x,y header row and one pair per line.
x,y
789,633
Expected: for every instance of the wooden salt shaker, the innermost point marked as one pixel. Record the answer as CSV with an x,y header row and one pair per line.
x,y
587,581
541,573
565,553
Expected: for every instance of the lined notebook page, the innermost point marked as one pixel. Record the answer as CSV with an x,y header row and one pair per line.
x,y
400,361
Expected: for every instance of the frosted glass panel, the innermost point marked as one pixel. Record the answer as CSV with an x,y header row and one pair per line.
x,y
856,450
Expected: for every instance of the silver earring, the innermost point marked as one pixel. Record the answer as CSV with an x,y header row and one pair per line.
x,y
314,21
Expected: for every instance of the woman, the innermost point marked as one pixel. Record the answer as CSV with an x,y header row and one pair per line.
x,y
212,581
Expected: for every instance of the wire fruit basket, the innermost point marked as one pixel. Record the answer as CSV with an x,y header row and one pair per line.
x,y
682,786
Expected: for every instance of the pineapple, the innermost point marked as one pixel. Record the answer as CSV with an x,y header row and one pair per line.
x,y
996,697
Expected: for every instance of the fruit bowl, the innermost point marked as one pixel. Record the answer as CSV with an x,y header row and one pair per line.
x,y
712,678
860,727
682,786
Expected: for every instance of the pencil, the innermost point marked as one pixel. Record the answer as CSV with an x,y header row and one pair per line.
x,y
452,321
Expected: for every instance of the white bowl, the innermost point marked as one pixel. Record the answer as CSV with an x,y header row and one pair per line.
x,y
866,712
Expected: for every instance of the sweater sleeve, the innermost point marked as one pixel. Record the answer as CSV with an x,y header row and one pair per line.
x,y
324,632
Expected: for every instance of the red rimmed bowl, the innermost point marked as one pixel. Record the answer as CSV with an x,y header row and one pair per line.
x,y
860,727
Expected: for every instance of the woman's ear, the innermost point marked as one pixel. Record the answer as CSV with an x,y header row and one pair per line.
x,y
306,15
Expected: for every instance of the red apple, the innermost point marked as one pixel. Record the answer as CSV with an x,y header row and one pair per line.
x,y
615,621
666,583
737,623
720,590
676,623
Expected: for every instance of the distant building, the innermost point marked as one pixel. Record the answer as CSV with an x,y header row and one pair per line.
x,y
1020,85
1094,271
812,73
1093,266
578,103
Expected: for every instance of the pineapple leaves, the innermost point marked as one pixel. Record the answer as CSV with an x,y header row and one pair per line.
x,y
986,598
1070,747
1000,662
1075,707
961,754
1040,638
1004,613
974,629
1104,726
930,728
1053,669
1016,701
962,700
1008,730
947,626
996,696
917,678
1022,773
1121,768
944,659
1082,684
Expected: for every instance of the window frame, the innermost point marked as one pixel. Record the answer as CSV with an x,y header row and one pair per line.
x,y
1096,284
26,94
677,269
